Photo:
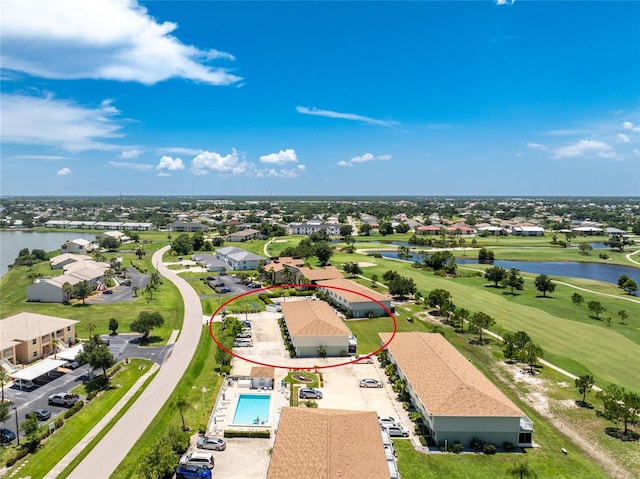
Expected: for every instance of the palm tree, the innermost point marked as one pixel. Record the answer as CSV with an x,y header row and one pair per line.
x,y
522,470
55,346
4,379
181,404
67,289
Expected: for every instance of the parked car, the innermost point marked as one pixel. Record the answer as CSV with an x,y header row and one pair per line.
x,y
63,399
7,436
72,365
243,336
247,323
223,290
397,431
364,360
40,414
370,383
310,393
192,471
243,344
387,420
107,291
202,459
213,443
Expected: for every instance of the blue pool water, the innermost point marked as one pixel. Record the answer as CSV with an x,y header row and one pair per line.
x,y
250,407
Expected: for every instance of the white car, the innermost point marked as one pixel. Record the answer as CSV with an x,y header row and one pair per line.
x,y
397,431
387,421
202,459
364,360
243,344
370,383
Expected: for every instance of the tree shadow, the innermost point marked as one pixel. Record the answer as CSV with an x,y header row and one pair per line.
x,y
584,404
541,296
509,293
80,305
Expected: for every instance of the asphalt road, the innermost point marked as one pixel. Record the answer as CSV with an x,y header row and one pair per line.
x,y
105,457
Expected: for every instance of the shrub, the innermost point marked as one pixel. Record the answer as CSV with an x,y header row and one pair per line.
x,y
177,439
490,449
457,447
508,446
265,298
59,422
261,433
91,395
15,455
441,273
311,404
477,444
74,409
225,370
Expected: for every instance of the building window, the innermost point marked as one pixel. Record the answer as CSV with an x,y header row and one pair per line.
x,y
35,354
524,438
68,328
34,341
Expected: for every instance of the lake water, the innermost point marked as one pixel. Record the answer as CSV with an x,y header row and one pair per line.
x,y
597,271
11,242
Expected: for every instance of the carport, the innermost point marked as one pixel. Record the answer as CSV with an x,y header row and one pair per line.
x,y
27,375
70,354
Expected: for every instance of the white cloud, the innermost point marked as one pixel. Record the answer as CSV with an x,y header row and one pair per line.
x,y
230,164
364,158
100,39
130,154
586,149
64,172
344,116
41,157
169,164
536,146
131,166
505,2
177,149
61,123
282,173
627,125
281,158
622,138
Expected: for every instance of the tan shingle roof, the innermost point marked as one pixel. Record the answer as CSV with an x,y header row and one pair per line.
x,y
312,318
353,286
328,444
27,326
262,372
444,380
316,274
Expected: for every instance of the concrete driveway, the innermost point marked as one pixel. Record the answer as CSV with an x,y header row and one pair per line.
x,y
243,458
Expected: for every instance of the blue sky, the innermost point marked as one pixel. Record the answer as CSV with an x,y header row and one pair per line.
x,y
320,98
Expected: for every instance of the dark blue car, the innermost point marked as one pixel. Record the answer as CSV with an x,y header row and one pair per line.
x,y
7,436
190,471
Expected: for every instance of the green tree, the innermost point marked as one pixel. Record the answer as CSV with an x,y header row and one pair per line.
x,y
385,228
544,284
441,260
323,252
110,244
530,354
481,321
4,379
514,344
513,280
113,325
621,280
584,384
438,297
495,274
322,351
461,315
630,286
346,231
620,404
352,268
4,411
197,241
98,355
522,470
158,461
182,245
401,286
597,308
30,427
181,404
146,322
374,280
365,229
82,290
623,315
585,249
485,255
577,298
67,291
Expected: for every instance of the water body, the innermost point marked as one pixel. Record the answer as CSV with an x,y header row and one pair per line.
x,y
574,269
11,242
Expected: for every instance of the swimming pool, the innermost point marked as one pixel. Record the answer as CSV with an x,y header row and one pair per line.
x,y
252,409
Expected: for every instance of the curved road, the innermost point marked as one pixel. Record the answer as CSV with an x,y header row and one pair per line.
x,y
103,460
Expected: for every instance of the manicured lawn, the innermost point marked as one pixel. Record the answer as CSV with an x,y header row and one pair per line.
x,y
568,336
314,383
62,441
200,373
166,300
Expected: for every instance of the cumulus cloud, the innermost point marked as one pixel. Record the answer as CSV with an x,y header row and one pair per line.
x,y
627,125
364,158
101,39
63,172
130,166
586,149
41,157
281,158
169,164
46,120
281,173
344,116
622,138
130,154
505,2
536,146
177,149
230,164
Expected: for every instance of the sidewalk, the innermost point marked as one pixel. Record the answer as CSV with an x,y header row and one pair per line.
x,y
84,442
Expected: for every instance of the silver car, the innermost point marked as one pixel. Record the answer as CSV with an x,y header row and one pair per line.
x,y
213,443
370,383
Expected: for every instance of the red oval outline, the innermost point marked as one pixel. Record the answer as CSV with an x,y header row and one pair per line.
x,y
314,286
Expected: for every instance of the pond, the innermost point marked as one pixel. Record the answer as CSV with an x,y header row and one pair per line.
x,y
574,269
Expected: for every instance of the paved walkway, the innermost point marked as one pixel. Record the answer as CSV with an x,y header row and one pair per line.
x,y
84,442
103,460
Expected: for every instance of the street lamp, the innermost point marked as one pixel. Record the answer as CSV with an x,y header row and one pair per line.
x,y
204,390
15,409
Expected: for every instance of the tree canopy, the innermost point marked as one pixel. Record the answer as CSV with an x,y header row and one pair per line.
x,y
544,284
146,322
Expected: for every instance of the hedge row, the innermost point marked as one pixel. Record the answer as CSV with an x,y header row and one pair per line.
x,y
260,433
